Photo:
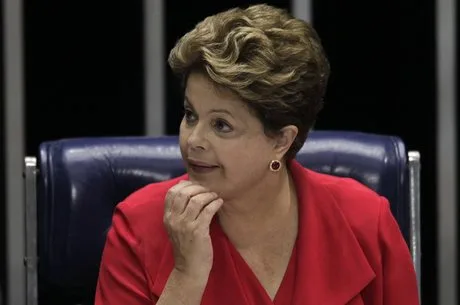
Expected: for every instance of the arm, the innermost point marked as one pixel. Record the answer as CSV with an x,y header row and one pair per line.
x,y
399,279
121,275
182,290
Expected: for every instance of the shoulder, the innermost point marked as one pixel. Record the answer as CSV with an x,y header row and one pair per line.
x,y
360,206
351,196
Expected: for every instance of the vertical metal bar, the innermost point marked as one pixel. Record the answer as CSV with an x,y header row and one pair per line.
x,y
30,259
415,238
14,149
446,151
302,9
154,68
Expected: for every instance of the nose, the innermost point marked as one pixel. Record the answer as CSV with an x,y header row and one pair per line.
x,y
197,138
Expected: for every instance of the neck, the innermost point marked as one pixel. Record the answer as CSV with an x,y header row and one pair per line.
x,y
262,210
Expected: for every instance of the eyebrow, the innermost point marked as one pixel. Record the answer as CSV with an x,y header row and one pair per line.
x,y
189,103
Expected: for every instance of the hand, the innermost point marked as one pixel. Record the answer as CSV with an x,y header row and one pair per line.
x,y
189,209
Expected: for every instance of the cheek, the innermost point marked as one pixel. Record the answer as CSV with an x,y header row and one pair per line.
x,y
183,146
183,135
244,160
241,171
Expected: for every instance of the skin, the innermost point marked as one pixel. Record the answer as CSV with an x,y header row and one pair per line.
x,y
256,207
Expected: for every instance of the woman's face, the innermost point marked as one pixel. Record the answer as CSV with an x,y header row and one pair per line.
x,y
222,143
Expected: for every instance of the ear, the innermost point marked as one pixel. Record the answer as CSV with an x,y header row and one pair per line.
x,y
284,140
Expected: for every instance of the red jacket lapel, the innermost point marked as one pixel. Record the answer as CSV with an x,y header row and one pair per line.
x,y
332,267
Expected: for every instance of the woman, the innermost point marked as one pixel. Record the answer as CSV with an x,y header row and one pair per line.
x,y
248,224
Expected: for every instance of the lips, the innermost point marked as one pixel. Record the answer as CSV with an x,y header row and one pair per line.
x,y
200,167
200,163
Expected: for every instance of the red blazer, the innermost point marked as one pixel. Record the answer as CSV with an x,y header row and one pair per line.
x,y
349,250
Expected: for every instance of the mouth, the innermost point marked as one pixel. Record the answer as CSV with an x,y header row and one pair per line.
x,y
200,166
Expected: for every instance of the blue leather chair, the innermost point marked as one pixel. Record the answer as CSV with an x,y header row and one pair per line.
x,y
73,185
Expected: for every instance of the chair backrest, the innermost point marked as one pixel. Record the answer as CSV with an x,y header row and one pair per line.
x,y
80,181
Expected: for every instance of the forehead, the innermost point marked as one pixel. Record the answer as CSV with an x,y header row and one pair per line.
x,y
201,92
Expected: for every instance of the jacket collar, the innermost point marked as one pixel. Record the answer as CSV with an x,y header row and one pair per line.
x,y
332,267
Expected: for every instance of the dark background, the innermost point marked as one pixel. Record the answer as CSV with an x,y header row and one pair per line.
x,y
84,76
84,69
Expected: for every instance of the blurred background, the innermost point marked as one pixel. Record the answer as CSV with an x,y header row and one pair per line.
x,y
98,68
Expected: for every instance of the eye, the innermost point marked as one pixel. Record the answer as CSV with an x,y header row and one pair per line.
x,y
221,126
189,116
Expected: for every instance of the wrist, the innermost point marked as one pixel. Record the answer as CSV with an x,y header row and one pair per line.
x,y
191,279
184,289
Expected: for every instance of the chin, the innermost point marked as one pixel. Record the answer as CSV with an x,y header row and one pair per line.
x,y
211,183
204,181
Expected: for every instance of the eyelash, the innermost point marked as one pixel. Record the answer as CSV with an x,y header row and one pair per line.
x,y
187,114
190,118
222,122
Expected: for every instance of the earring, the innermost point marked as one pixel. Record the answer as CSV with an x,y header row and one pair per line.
x,y
275,165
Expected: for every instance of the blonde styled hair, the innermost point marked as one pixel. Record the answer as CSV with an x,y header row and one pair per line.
x,y
275,63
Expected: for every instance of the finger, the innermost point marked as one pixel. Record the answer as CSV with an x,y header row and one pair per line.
x,y
173,191
208,212
197,203
180,201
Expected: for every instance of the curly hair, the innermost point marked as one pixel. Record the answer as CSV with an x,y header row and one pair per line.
x,y
275,63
